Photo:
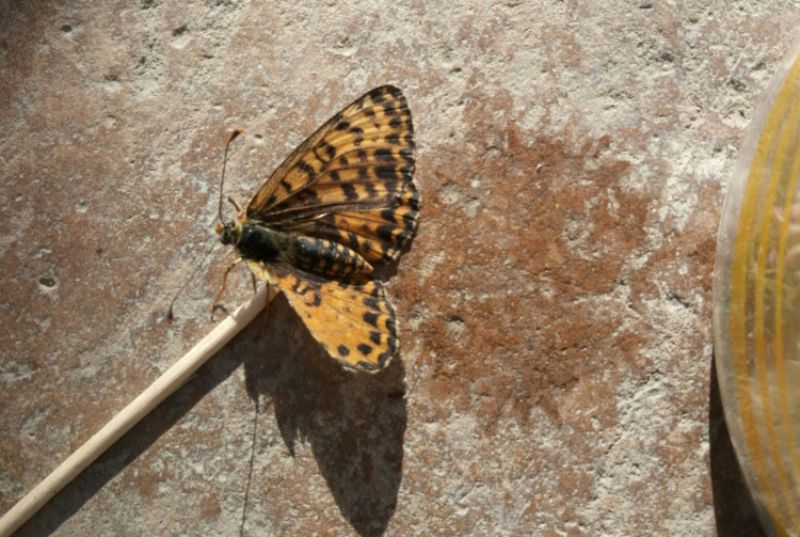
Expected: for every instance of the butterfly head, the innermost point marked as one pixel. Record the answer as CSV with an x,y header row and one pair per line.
x,y
228,232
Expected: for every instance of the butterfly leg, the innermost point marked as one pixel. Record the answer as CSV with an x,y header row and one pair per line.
x,y
216,305
233,202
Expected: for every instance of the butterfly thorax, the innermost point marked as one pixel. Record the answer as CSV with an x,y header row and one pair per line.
x,y
255,242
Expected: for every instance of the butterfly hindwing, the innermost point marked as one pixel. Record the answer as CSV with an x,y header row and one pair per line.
x,y
354,323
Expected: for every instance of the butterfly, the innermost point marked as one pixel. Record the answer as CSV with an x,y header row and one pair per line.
x,y
341,205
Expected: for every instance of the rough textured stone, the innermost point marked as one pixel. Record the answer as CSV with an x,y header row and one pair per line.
x,y
555,305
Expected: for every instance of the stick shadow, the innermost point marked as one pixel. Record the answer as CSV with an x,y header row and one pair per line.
x,y
354,423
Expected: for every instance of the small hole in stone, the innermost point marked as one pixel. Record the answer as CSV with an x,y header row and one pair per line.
x,y
180,30
66,28
47,281
258,136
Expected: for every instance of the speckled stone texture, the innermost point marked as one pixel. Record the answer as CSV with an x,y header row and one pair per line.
x,y
555,305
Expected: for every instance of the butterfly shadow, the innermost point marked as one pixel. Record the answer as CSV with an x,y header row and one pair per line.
x,y
353,422
734,509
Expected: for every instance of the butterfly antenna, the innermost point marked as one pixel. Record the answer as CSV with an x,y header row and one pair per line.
x,y
234,134
170,313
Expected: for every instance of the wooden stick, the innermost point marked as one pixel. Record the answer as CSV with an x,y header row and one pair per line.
x,y
166,384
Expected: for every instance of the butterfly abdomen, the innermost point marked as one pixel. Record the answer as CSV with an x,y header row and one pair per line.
x,y
325,258
313,255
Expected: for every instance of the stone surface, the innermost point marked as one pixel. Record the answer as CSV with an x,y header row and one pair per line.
x,y
555,305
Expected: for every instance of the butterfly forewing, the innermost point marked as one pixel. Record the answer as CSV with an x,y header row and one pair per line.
x,y
359,164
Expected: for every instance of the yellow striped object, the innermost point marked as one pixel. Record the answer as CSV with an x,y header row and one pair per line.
x,y
757,305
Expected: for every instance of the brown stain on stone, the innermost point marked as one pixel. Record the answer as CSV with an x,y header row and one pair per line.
x,y
530,232
209,506
146,483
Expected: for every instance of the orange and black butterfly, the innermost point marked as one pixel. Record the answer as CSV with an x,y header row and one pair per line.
x,y
341,205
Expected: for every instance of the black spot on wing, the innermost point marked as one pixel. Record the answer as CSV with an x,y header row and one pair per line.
x,y
306,167
358,133
349,191
389,109
385,154
413,201
377,95
384,233
352,238
388,215
386,172
371,318
328,152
